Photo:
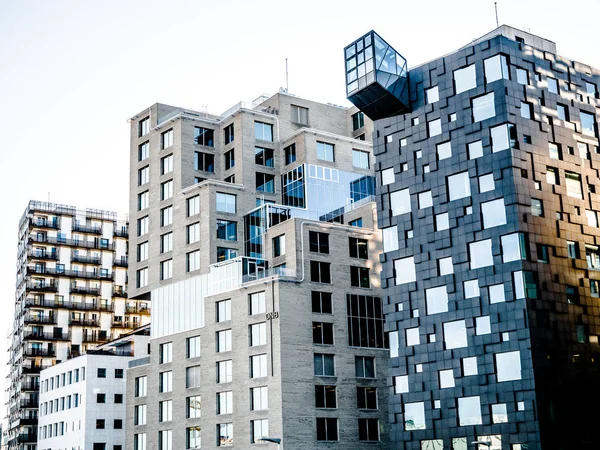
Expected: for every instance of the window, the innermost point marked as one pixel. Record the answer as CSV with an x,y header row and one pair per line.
x,y
225,371
480,254
100,398
325,151
204,136
166,216
100,424
193,347
278,246
192,377
365,321
358,248
226,203
165,411
139,415
141,384
144,151
592,257
165,381
258,334
143,199
193,206
359,277
223,311
434,127
390,239
414,416
425,200
387,176
475,149
555,151
193,261
139,441
257,303
502,137
508,366
143,175
436,300
563,112
405,270
322,333
142,225
469,366
459,186
327,429
590,88
224,434
165,440
117,399
325,397
494,213
229,159
225,402
400,202
264,156
483,107
432,95
552,85
573,249
165,353
455,334
319,242
166,190
537,208
224,254
551,175
144,127
258,366
192,438
469,411
364,366
265,182
193,233
259,398
142,251
263,131
573,182
258,429
322,302
289,153
356,222
229,134
358,120
193,406
166,269
118,424
522,76
223,341
320,272
496,68
446,378
166,139
101,373
499,413
324,365
514,247
204,162
299,115
226,230
465,79
526,110
360,159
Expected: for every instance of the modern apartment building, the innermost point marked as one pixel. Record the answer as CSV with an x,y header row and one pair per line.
x,y
70,296
82,400
255,239
487,161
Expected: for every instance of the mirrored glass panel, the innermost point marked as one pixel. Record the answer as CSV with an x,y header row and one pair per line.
x,y
437,300
414,416
480,254
469,411
455,334
508,366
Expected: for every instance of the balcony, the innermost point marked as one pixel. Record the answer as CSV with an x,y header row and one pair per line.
x,y
96,337
119,291
38,254
86,290
28,421
72,242
42,319
84,322
37,336
85,306
41,270
28,438
45,223
30,402
85,259
51,286
86,228
41,352
30,386
123,232
40,303
121,262
121,325
34,368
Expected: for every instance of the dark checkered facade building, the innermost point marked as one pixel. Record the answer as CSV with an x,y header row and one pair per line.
x,y
487,199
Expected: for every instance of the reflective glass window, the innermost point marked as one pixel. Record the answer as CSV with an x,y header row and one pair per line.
x,y
508,366
496,293
442,222
496,68
390,239
437,300
445,266
414,416
475,149
455,334
469,411
483,107
400,202
465,79
434,127
444,150
405,270
432,95
494,213
552,85
446,378
425,200
469,366
459,186
325,151
522,76
573,183
480,254
360,159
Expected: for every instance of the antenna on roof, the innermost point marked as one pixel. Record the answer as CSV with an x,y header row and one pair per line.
x,y
496,8
286,76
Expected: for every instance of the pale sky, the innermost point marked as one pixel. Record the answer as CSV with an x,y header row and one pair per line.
x,y
72,73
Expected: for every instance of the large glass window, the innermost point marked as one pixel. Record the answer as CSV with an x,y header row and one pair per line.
x,y
434,127
414,416
508,366
265,182
502,137
360,159
480,254
483,107
264,156
465,79
226,203
227,230
494,213
327,429
444,150
455,334
405,270
324,365
204,136
573,183
496,68
368,430
325,151
263,131
365,321
459,186
432,95
400,202
469,411
192,377
318,242
437,300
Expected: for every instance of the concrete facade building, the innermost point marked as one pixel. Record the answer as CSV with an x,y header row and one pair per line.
x,y
256,243
487,166
82,400
71,296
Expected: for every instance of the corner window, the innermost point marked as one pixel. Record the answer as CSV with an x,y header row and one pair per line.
x,y
144,127
226,203
299,115
496,68
502,137
360,159
325,151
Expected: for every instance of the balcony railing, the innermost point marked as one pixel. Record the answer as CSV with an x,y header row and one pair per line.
x,y
40,270
28,421
30,403
121,325
39,352
29,318
28,437
122,232
121,262
37,336
72,242
140,308
51,286
34,368
30,386
119,291
139,362
81,306
87,228
96,337
84,322
88,290
40,303
38,254
85,259
44,223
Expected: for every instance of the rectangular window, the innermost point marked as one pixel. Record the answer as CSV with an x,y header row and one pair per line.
x,y
193,233
259,429
192,347
226,203
229,134
258,334
139,415
166,216
165,411
368,430
166,164
193,205
224,254
100,398
263,131
290,154
223,311
193,261
573,183
166,139
259,398
204,136
358,248
225,371
265,182
192,377
325,151
299,115
522,76
225,402
483,107
229,159
257,303
526,110
359,277
101,374
358,121
356,222
320,272
364,366
327,429
165,381
552,85
165,440
192,438
144,127
193,407
142,251
278,246
264,156
496,68
325,396
142,226
143,175
434,127
360,159
465,79
143,151
563,112
258,366
459,186
143,199
324,365
165,353
588,123
322,302
166,269
322,333
318,242
223,341
139,441
140,389
204,162
365,321
432,95
166,190
366,397
592,256
224,434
